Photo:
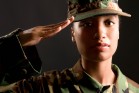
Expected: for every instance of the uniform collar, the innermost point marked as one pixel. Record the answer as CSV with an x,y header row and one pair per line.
x,y
121,84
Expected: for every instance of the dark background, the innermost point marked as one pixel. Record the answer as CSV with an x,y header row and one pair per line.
x,y
59,52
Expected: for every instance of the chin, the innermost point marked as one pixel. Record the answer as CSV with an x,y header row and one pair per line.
x,y
100,57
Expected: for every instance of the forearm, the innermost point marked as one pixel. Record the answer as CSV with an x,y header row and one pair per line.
x,y
17,62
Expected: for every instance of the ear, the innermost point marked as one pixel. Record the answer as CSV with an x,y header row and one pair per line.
x,y
72,34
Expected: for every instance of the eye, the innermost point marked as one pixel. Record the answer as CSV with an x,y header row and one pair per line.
x,y
109,23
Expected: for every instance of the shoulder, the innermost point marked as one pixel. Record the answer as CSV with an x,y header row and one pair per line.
x,y
132,83
61,76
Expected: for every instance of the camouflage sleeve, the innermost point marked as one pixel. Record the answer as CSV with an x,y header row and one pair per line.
x,y
48,82
17,62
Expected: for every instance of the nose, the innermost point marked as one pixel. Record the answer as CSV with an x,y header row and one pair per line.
x,y
100,32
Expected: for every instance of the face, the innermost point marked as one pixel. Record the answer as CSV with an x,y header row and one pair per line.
x,y
96,38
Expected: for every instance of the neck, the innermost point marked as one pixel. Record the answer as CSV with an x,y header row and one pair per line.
x,y
100,71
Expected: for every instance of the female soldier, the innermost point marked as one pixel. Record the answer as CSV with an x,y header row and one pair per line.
x,y
95,32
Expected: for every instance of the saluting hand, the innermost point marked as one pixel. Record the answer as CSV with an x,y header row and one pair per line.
x,y
36,34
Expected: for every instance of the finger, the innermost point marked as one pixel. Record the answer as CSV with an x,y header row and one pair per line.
x,y
56,25
61,23
51,32
62,26
54,29
69,21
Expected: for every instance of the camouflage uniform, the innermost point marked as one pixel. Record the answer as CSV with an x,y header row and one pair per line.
x,y
75,80
72,80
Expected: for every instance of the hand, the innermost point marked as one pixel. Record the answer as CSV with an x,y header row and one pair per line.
x,y
36,34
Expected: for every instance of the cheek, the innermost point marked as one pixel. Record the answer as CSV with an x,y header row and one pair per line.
x,y
81,35
114,40
113,33
82,39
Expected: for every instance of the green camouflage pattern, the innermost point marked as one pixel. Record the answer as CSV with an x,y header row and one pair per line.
x,y
79,7
85,5
73,80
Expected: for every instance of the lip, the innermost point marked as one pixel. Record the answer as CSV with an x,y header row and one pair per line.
x,y
102,46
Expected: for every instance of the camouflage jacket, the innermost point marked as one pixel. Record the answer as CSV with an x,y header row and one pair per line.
x,y
72,80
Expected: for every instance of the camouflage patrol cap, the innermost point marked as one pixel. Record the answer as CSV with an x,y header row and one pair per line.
x,y
82,9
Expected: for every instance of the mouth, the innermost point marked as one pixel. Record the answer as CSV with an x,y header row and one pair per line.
x,y
102,46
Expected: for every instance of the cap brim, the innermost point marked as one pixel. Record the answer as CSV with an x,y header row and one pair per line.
x,y
97,12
